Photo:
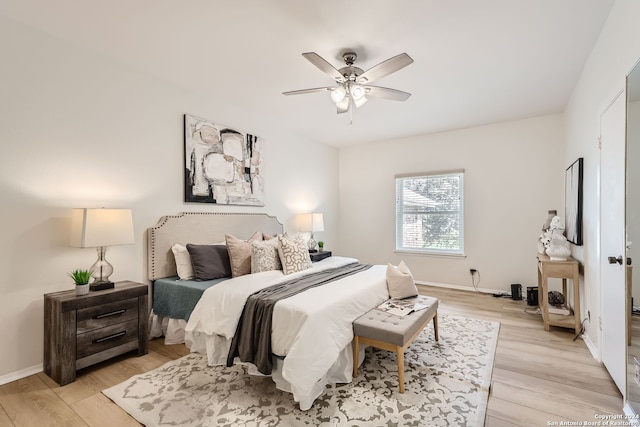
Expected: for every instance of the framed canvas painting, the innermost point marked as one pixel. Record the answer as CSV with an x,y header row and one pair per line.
x,y
222,165
573,202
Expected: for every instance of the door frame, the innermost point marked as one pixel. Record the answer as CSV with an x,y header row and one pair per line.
x,y
620,95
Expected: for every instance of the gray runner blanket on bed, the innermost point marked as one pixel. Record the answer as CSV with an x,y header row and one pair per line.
x,y
176,298
252,340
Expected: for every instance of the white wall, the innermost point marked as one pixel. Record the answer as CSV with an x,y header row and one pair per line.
x,y
603,76
80,130
514,173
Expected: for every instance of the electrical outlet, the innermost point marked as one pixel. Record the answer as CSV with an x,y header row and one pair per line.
x,y
589,315
472,271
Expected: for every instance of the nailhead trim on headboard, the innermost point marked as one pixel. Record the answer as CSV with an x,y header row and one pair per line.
x,y
199,228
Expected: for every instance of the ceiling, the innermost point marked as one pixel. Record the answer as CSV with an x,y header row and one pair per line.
x,y
476,62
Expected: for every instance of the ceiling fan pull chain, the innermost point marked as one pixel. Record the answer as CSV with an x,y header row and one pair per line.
x,y
350,115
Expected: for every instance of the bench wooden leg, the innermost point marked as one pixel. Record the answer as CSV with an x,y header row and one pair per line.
x,y
356,355
400,353
435,325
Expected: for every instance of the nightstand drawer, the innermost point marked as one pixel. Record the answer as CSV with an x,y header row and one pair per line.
x,y
107,314
105,338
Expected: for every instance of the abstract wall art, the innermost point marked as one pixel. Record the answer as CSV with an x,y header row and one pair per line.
x,y
222,165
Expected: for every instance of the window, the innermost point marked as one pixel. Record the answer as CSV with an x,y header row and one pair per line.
x,y
430,213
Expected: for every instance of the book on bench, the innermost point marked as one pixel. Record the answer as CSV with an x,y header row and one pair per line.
x,y
401,307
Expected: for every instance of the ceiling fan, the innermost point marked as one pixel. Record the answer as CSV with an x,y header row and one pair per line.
x,y
353,83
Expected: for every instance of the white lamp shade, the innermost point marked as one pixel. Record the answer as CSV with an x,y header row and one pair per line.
x,y
357,92
312,222
338,94
92,228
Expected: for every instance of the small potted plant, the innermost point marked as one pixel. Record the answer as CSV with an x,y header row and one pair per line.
x,y
81,278
321,245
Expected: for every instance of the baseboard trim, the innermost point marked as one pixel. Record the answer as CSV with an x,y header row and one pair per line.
x,y
592,347
461,288
631,416
22,373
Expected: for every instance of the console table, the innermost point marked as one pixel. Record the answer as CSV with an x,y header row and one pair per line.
x,y
564,270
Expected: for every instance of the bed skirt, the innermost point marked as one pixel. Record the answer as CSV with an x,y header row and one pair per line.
x,y
171,329
216,348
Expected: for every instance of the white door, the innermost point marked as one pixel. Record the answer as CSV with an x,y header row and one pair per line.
x,y
612,239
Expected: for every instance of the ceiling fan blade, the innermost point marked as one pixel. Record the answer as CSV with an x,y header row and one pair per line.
x,y
385,68
386,93
303,91
324,66
343,106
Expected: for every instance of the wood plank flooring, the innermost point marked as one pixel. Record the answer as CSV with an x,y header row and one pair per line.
x,y
538,378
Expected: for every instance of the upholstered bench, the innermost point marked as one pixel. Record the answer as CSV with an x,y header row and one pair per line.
x,y
390,332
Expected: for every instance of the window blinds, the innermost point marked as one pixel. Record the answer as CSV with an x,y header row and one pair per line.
x,y
430,212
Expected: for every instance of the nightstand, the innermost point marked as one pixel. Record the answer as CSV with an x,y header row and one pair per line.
x,y
80,331
319,256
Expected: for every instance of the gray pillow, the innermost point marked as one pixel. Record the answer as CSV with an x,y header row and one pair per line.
x,y
209,261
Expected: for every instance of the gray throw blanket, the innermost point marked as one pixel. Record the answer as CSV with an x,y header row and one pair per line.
x,y
252,340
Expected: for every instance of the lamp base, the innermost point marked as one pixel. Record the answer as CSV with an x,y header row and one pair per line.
x,y
100,285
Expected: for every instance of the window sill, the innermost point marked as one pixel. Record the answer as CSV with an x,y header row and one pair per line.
x,y
430,254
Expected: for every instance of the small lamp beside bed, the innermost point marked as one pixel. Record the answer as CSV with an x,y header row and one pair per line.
x,y
312,222
99,228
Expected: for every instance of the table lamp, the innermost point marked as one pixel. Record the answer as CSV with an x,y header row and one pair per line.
x,y
312,222
100,228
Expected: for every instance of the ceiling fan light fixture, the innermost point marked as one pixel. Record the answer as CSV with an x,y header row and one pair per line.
x,y
357,92
360,101
338,94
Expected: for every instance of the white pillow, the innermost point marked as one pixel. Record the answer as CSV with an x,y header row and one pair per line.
x,y
294,254
183,262
400,281
264,256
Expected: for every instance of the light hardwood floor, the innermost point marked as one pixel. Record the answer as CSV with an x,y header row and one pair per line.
x,y
539,377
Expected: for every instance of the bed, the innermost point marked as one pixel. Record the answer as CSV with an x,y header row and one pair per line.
x,y
311,332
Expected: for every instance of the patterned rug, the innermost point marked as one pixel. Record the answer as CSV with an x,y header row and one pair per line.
x,y
447,384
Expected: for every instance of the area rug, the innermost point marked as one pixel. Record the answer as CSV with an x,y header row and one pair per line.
x,y
446,384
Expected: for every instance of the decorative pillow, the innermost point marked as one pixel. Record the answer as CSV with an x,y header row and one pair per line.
x,y
294,254
209,261
273,236
400,281
264,256
240,253
183,262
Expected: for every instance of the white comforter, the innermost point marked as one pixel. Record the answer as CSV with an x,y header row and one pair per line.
x,y
312,329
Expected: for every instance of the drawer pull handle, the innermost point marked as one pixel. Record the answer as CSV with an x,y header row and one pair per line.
x,y
110,337
113,313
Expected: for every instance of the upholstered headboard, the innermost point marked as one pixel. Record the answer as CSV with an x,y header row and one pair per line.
x,y
199,228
